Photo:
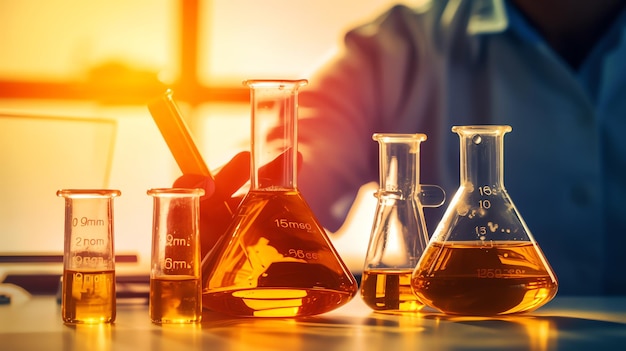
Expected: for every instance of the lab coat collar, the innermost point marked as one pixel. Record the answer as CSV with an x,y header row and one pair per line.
x,y
474,17
487,17
463,22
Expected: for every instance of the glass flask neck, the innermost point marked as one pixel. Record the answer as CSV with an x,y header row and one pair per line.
x,y
274,102
482,154
399,166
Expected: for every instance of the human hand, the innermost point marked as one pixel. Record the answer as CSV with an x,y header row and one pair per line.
x,y
220,199
218,203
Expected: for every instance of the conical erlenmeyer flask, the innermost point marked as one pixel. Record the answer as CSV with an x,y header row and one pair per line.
x,y
482,259
275,259
399,234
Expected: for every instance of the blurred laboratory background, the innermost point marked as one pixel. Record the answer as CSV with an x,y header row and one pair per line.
x,y
75,78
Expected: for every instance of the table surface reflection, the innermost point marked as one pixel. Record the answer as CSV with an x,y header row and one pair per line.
x,y
566,323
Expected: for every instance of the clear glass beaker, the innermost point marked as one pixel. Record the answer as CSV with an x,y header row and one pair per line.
x,y
175,287
275,259
399,234
88,288
482,259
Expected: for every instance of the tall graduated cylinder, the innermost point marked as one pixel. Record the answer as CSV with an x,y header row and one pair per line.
x,y
88,290
175,290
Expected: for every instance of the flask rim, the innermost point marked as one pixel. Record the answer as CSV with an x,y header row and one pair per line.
x,y
273,83
399,136
486,128
88,193
175,192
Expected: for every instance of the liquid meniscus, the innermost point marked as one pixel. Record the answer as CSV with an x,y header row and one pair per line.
x,y
175,299
475,278
389,290
88,296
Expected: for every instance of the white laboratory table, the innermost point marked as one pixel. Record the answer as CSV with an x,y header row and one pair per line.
x,y
566,323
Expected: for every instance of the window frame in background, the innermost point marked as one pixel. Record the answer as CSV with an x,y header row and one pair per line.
x,y
188,86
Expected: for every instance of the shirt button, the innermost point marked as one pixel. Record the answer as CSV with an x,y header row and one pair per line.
x,y
581,195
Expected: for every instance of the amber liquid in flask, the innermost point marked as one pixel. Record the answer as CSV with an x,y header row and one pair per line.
x,y
399,234
275,260
482,259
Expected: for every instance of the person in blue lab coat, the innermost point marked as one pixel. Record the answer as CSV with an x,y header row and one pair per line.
x,y
553,70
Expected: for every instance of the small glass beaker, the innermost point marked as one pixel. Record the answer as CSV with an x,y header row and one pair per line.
x,y
399,234
275,259
88,288
175,286
482,259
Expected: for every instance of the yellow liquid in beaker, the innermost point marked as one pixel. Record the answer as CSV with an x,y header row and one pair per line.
x,y
389,290
88,296
276,261
175,299
476,278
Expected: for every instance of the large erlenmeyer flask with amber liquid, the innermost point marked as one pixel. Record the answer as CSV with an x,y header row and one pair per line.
x,y
482,258
275,259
